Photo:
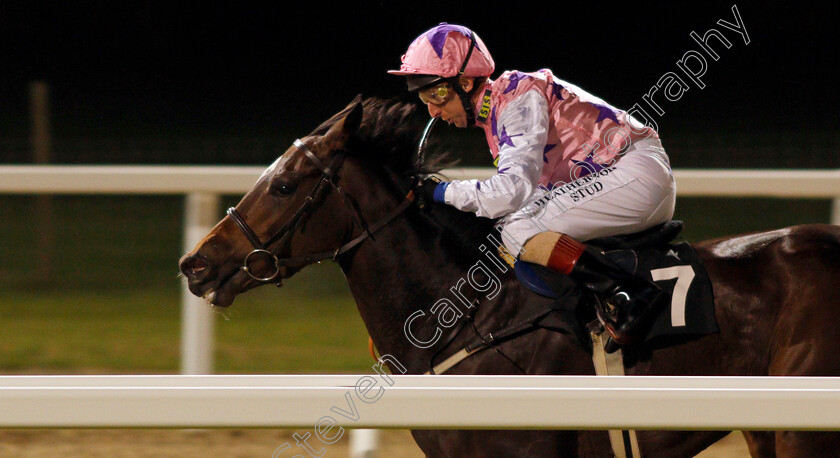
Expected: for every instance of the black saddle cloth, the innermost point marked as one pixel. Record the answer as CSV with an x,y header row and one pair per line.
x,y
652,254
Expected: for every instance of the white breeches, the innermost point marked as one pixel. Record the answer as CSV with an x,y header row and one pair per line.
x,y
636,193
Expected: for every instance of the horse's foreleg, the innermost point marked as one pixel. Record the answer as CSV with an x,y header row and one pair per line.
x,y
802,444
762,444
500,443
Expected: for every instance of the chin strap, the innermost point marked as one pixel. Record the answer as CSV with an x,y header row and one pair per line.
x,y
466,101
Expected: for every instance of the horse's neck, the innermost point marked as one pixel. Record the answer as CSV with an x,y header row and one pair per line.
x,y
409,265
393,276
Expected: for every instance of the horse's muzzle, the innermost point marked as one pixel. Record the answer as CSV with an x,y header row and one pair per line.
x,y
196,269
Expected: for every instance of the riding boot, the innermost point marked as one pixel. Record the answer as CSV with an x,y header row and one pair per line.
x,y
628,302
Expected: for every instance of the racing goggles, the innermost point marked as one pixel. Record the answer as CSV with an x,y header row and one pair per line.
x,y
436,95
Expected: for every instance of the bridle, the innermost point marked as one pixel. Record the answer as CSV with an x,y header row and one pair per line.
x,y
328,174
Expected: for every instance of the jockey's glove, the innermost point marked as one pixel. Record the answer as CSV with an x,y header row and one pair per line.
x,y
434,189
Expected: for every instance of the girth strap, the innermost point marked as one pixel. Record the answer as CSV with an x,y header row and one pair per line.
x,y
624,443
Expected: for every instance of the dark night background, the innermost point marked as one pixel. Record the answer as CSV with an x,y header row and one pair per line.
x,y
164,76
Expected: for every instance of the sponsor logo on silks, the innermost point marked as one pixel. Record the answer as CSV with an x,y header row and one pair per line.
x,y
485,106
579,189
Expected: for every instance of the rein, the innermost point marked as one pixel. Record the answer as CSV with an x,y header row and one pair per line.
x,y
261,249
489,340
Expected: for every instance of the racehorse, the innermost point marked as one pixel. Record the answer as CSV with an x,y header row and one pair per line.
x,y
347,192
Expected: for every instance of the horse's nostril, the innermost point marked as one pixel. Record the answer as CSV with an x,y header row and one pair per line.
x,y
193,266
197,269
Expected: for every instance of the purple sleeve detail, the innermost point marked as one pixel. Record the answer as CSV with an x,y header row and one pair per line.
x,y
605,112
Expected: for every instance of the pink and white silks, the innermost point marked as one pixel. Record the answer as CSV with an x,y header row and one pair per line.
x,y
567,162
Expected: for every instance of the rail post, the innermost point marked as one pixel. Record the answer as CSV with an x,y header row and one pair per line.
x,y
197,336
364,443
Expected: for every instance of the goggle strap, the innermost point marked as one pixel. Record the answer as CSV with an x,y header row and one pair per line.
x,y
469,54
464,96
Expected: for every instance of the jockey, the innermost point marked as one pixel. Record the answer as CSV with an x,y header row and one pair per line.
x,y
570,167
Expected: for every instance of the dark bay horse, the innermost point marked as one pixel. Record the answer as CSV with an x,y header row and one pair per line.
x,y
342,192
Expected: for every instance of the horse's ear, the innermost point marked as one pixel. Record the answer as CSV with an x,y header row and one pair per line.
x,y
346,127
354,119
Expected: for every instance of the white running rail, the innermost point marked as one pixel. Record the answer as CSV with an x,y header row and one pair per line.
x,y
509,402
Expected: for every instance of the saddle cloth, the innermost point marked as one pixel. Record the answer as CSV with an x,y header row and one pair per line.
x,y
673,266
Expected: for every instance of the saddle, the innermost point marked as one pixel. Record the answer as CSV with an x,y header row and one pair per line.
x,y
674,266
652,253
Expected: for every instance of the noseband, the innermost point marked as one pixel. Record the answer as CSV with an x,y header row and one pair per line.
x,y
261,249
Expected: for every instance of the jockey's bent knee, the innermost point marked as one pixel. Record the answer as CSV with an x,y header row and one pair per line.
x,y
539,247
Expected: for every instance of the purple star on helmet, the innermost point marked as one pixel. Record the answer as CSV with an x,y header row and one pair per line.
x,y
547,148
437,36
588,165
505,139
514,80
605,112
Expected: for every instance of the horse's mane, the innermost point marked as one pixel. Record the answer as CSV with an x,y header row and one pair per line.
x,y
389,135
387,141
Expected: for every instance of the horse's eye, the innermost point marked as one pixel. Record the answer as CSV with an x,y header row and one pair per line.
x,y
283,189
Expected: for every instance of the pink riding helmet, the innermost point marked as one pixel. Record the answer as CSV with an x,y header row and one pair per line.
x,y
441,51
